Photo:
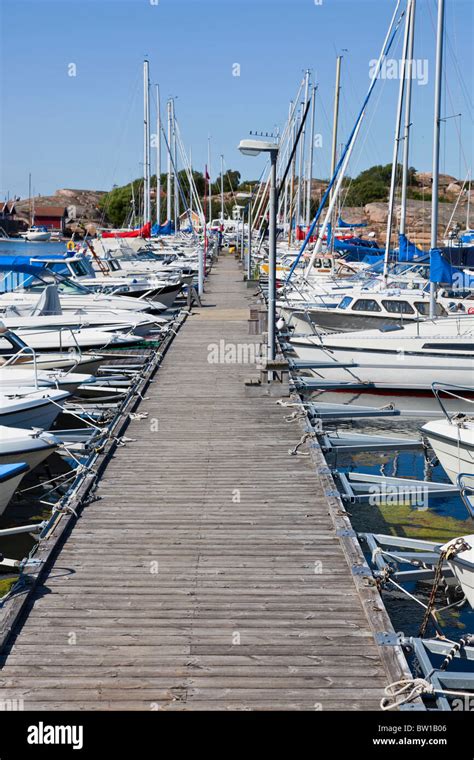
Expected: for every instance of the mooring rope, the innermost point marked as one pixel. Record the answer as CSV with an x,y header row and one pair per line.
x,y
454,548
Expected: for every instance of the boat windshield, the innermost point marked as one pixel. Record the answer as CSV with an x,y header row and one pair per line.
x,y
63,284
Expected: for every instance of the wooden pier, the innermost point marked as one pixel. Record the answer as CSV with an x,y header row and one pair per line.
x,y
209,574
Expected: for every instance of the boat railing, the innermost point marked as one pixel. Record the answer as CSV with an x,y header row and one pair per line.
x,y
24,350
453,391
466,491
71,348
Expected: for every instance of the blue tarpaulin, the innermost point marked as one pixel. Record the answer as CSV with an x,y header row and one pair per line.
x,y
407,250
440,269
342,223
163,229
372,259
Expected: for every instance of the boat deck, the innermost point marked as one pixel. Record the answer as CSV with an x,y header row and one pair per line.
x,y
208,575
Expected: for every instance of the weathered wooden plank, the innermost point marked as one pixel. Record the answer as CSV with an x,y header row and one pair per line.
x,y
235,526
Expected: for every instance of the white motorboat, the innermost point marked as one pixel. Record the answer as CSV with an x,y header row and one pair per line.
x,y
111,277
37,234
29,446
452,437
78,339
364,308
408,357
11,376
72,296
26,407
10,478
47,313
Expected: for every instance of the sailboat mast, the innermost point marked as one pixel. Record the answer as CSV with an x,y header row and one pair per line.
x,y
396,140
436,135
168,178
468,209
191,184
309,179
299,196
146,145
222,188
335,118
335,124
407,125
29,199
175,168
209,173
158,156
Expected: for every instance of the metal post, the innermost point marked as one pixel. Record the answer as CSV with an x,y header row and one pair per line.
x,y
407,125
168,179
209,172
436,131
310,161
158,156
272,260
335,121
335,118
146,145
249,252
175,172
222,189
396,140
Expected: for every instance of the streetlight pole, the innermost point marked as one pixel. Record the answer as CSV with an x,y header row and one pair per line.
x,y
249,253
272,260
253,148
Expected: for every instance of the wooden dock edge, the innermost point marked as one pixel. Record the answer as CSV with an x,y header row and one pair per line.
x,y
50,547
392,655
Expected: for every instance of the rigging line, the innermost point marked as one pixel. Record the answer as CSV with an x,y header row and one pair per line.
x,y
464,89
125,121
387,44
355,160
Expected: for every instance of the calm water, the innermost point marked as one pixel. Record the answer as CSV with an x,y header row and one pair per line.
x,y
444,518
25,248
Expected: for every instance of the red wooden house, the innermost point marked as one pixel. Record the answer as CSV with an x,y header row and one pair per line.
x,y
52,217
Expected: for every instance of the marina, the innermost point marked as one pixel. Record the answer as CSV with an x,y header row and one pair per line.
x,y
236,405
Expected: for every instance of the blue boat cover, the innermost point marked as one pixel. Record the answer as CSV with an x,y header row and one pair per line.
x,y
342,223
440,269
407,250
163,229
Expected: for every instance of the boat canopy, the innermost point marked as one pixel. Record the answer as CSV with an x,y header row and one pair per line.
x,y
408,251
440,268
140,232
163,229
342,223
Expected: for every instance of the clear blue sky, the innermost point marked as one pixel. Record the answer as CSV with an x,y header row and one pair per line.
x,y
86,131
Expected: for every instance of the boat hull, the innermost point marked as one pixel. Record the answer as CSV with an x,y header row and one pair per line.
x,y
395,370
9,483
455,455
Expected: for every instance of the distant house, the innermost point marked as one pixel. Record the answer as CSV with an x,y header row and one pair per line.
x,y
184,220
7,210
53,217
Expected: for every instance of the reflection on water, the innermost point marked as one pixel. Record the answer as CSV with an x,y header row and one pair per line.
x,y
445,517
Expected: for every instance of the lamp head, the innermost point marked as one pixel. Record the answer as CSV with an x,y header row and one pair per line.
x,y
254,147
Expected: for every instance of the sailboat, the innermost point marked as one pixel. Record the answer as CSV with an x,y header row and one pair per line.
x,y
35,233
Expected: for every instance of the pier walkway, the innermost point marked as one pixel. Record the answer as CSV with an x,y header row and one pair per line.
x,y
208,575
